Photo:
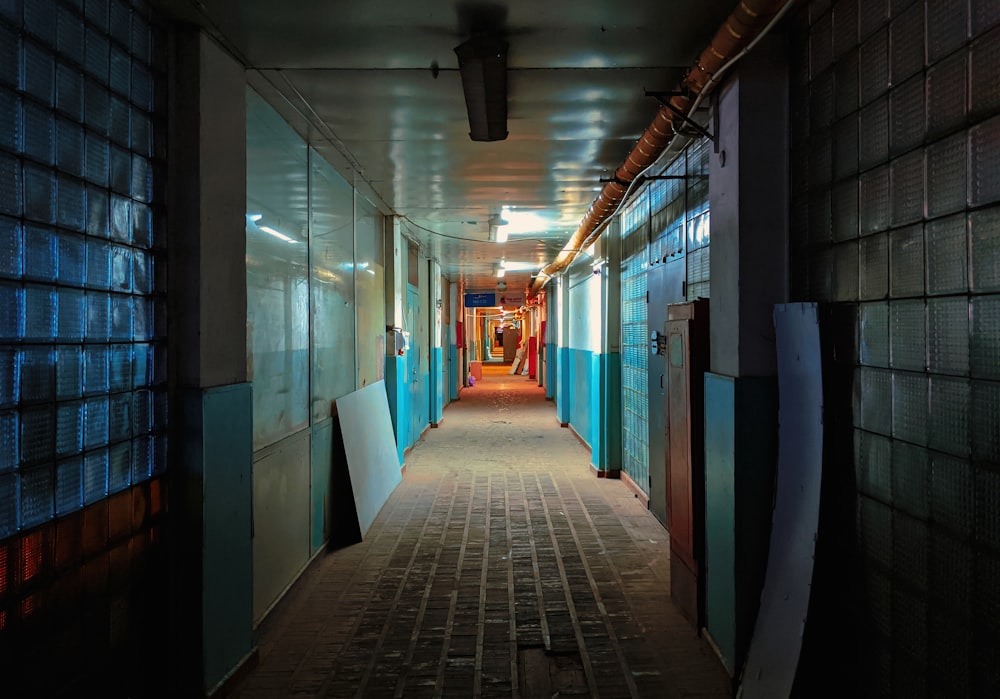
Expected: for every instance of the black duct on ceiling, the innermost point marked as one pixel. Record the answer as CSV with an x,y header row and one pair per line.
x,y
482,62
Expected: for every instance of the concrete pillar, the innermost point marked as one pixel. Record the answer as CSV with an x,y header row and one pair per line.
x,y
749,205
395,364
211,403
612,371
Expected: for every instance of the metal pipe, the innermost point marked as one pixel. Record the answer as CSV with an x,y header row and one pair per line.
x,y
744,27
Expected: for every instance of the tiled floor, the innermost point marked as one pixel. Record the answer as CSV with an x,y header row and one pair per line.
x,y
500,567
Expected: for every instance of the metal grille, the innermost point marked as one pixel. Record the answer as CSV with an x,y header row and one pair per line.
x,y
635,394
82,353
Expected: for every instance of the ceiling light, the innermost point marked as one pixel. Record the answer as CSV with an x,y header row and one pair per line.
x,y
482,62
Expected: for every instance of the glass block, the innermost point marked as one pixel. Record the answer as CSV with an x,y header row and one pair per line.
x,y
821,96
39,193
121,268
69,92
876,400
142,276
39,134
985,342
95,369
70,150
875,201
8,441
37,374
985,65
910,546
11,248
10,58
873,137
121,317
987,530
98,317
41,310
11,311
847,85
906,262
142,179
142,458
876,530
140,38
9,501
948,335
95,476
69,372
874,56
98,213
97,50
12,136
874,253
984,153
946,176
874,334
69,35
947,101
142,412
96,102
10,185
908,335
142,87
119,467
119,121
70,325
95,423
947,255
120,426
820,217
37,433
37,496
872,15
950,399
142,134
907,188
121,224
98,264
160,403
141,373
121,72
69,486
160,449
41,253
947,22
985,14
142,226
39,73
72,252
159,306
71,206
69,429
120,368
907,116
97,160
10,377
909,407
845,147
844,279
121,170
906,42
985,242
952,493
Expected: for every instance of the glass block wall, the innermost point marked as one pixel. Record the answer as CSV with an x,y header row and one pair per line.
x,y
635,343
82,351
895,223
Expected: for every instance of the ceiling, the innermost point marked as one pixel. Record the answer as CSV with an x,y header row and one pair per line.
x,y
357,79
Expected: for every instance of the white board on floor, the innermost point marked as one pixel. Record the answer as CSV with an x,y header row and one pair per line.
x,y
370,448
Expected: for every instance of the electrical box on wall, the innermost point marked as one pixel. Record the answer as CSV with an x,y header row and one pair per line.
x,y
396,341
657,342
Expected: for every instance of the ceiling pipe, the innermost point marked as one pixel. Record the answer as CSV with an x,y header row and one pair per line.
x,y
742,29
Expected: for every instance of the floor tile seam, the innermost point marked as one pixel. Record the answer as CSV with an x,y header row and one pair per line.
x,y
368,598
536,569
456,578
422,609
477,687
588,668
615,573
515,680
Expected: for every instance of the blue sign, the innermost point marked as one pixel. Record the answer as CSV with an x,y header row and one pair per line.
x,y
480,300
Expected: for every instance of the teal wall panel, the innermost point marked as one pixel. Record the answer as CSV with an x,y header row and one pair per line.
x,y
563,381
551,370
454,371
597,387
319,489
579,392
436,383
227,592
720,514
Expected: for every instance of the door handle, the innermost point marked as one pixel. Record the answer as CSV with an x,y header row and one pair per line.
x,y
661,380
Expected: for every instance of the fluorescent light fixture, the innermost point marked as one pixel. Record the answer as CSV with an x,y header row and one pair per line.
x,y
521,266
517,222
500,269
277,234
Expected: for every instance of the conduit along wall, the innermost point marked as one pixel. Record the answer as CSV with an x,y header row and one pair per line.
x,y
746,23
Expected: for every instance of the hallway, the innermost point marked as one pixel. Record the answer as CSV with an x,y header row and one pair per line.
x,y
500,545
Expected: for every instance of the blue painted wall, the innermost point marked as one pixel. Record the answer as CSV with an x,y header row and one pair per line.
x,y
580,388
436,382
551,369
397,393
611,444
563,381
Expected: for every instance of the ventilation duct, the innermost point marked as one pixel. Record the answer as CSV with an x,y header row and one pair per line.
x,y
482,63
